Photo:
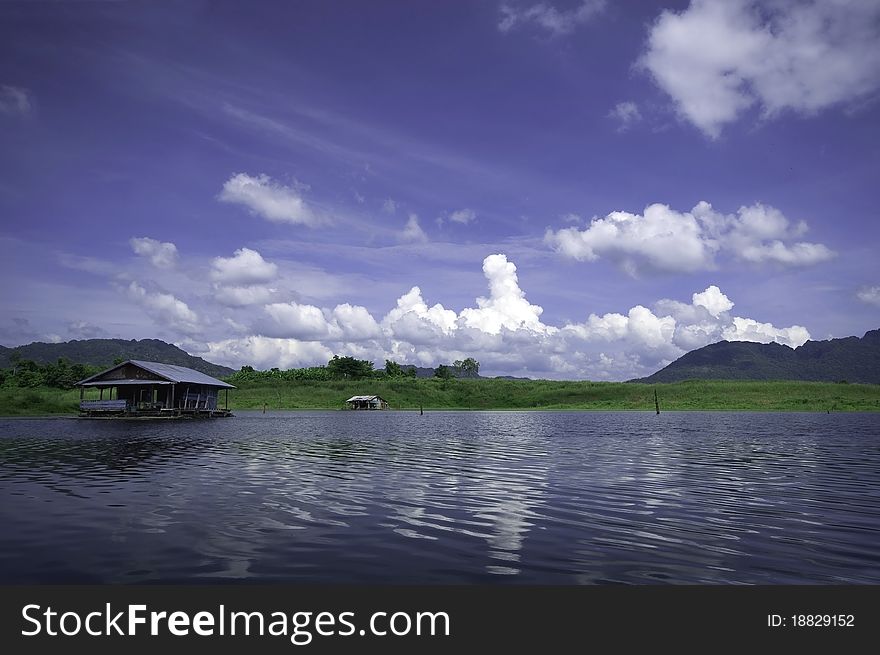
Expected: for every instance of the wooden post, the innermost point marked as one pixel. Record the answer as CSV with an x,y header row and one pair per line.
x,y
101,396
656,402
226,402
421,410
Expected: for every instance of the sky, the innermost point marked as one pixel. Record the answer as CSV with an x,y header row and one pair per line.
x,y
563,189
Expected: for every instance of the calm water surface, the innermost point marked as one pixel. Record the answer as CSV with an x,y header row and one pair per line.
x,y
448,497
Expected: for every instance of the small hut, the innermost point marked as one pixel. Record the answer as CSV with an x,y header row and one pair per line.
x,y
366,402
150,389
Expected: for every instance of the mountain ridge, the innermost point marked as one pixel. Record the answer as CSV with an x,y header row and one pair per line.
x,y
102,352
847,359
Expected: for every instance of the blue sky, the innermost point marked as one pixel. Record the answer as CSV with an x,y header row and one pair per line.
x,y
558,189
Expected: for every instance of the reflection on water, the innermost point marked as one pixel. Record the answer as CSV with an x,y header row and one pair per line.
x,y
448,497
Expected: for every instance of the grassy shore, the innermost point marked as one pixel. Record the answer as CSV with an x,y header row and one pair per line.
x,y
433,394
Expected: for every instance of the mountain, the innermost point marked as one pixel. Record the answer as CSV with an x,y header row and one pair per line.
x,y
850,359
102,352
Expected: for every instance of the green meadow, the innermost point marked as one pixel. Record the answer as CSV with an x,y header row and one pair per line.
x,y
438,394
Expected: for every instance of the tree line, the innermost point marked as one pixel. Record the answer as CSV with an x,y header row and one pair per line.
x,y
64,374
351,368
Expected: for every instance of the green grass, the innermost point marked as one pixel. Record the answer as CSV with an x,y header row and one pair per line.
x,y
37,402
435,394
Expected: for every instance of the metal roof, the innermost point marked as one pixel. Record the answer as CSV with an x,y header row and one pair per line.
x,y
170,372
122,383
363,398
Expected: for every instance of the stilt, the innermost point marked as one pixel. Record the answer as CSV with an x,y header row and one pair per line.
x,y
656,402
421,410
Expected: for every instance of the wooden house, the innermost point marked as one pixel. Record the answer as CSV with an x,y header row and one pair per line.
x,y
366,402
150,389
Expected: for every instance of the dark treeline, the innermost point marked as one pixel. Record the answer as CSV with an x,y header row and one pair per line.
x,y
63,374
350,368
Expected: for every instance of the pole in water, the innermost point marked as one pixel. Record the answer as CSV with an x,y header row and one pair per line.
x,y
656,402
421,410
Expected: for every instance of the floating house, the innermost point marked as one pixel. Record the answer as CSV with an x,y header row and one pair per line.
x,y
366,402
151,389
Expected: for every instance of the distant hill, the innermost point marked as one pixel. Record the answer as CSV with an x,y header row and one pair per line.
x,y
850,359
102,352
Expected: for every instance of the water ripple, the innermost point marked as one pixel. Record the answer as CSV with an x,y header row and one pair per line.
x,y
448,497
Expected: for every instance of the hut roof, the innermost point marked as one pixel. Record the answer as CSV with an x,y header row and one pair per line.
x,y
170,372
362,398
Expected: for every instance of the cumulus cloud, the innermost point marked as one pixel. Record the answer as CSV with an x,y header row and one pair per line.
x,y
870,295
164,308
713,300
506,306
747,329
664,239
15,100
503,329
263,352
345,322
626,114
162,254
270,199
389,206
545,16
242,296
412,232
246,266
718,58
243,279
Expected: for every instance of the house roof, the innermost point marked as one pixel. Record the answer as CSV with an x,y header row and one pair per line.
x,y
170,372
363,398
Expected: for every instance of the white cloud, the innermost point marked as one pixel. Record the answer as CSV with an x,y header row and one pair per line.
x,y
412,231
463,216
243,296
264,352
870,295
717,58
506,306
747,329
296,321
626,114
412,320
350,323
389,206
556,21
161,254
664,239
715,302
245,267
164,308
15,100
269,199
502,328
661,238
355,322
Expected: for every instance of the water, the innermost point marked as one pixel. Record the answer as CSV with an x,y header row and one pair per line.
x,y
448,497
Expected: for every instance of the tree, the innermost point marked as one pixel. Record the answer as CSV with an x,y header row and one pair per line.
x,y
349,368
392,369
469,368
443,372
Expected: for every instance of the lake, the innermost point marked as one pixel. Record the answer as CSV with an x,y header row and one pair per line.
x,y
448,497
